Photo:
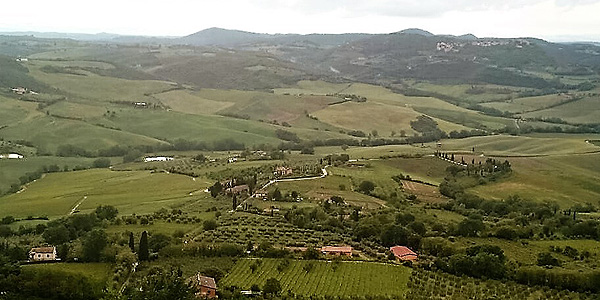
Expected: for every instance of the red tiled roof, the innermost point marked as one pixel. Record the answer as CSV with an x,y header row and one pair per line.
x,y
403,253
204,281
43,250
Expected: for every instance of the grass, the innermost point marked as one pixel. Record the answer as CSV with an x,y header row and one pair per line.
x,y
376,152
526,252
586,110
369,116
77,110
459,91
325,278
130,192
505,145
100,88
323,189
567,180
192,127
191,103
46,133
99,272
14,111
11,170
527,104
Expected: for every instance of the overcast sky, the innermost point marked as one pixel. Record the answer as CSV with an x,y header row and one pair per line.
x,y
555,20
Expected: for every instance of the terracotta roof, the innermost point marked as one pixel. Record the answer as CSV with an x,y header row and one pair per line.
x,y
403,253
204,281
43,250
336,249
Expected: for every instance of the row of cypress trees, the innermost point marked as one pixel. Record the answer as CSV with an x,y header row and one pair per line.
x,y
143,252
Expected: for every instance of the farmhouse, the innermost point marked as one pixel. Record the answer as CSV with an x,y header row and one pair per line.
x,y
157,158
205,287
283,171
338,251
11,156
238,189
19,90
43,254
261,194
404,253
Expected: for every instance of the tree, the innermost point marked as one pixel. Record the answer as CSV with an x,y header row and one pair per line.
x,y
143,253
216,189
101,163
161,284
93,245
366,187
394,235
158,241
255,288
470,227
8,220
56,234
546,259
307,150
374,133
106,212
209,225
131,242
132,155
276,195
272,287
311,253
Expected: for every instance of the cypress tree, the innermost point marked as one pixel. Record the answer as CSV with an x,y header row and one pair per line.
x,y
131,242
143,253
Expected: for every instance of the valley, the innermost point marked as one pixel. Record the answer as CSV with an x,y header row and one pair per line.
x,y
480,155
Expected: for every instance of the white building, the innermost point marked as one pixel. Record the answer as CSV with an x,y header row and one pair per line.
x,y
157,158
43,254
11,156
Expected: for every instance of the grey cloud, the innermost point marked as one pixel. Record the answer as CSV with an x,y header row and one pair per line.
x,y
409,8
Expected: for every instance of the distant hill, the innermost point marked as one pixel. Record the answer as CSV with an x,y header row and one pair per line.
x,y
416,31
228,38
59,35
221,37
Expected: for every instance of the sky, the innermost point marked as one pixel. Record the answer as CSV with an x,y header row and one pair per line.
x,y
554,20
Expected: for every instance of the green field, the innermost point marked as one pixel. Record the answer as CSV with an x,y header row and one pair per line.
x,y
568,180
130,192
526,252
99,272
527,104
586,110
506,145
11,170
325,278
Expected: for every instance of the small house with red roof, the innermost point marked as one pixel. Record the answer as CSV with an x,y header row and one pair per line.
x,y
404,253
205,287
43,254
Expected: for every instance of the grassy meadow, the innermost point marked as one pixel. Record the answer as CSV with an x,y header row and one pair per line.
x,y
130,192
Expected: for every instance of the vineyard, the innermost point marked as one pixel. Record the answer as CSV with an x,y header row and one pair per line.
x,y
321,278
433,285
